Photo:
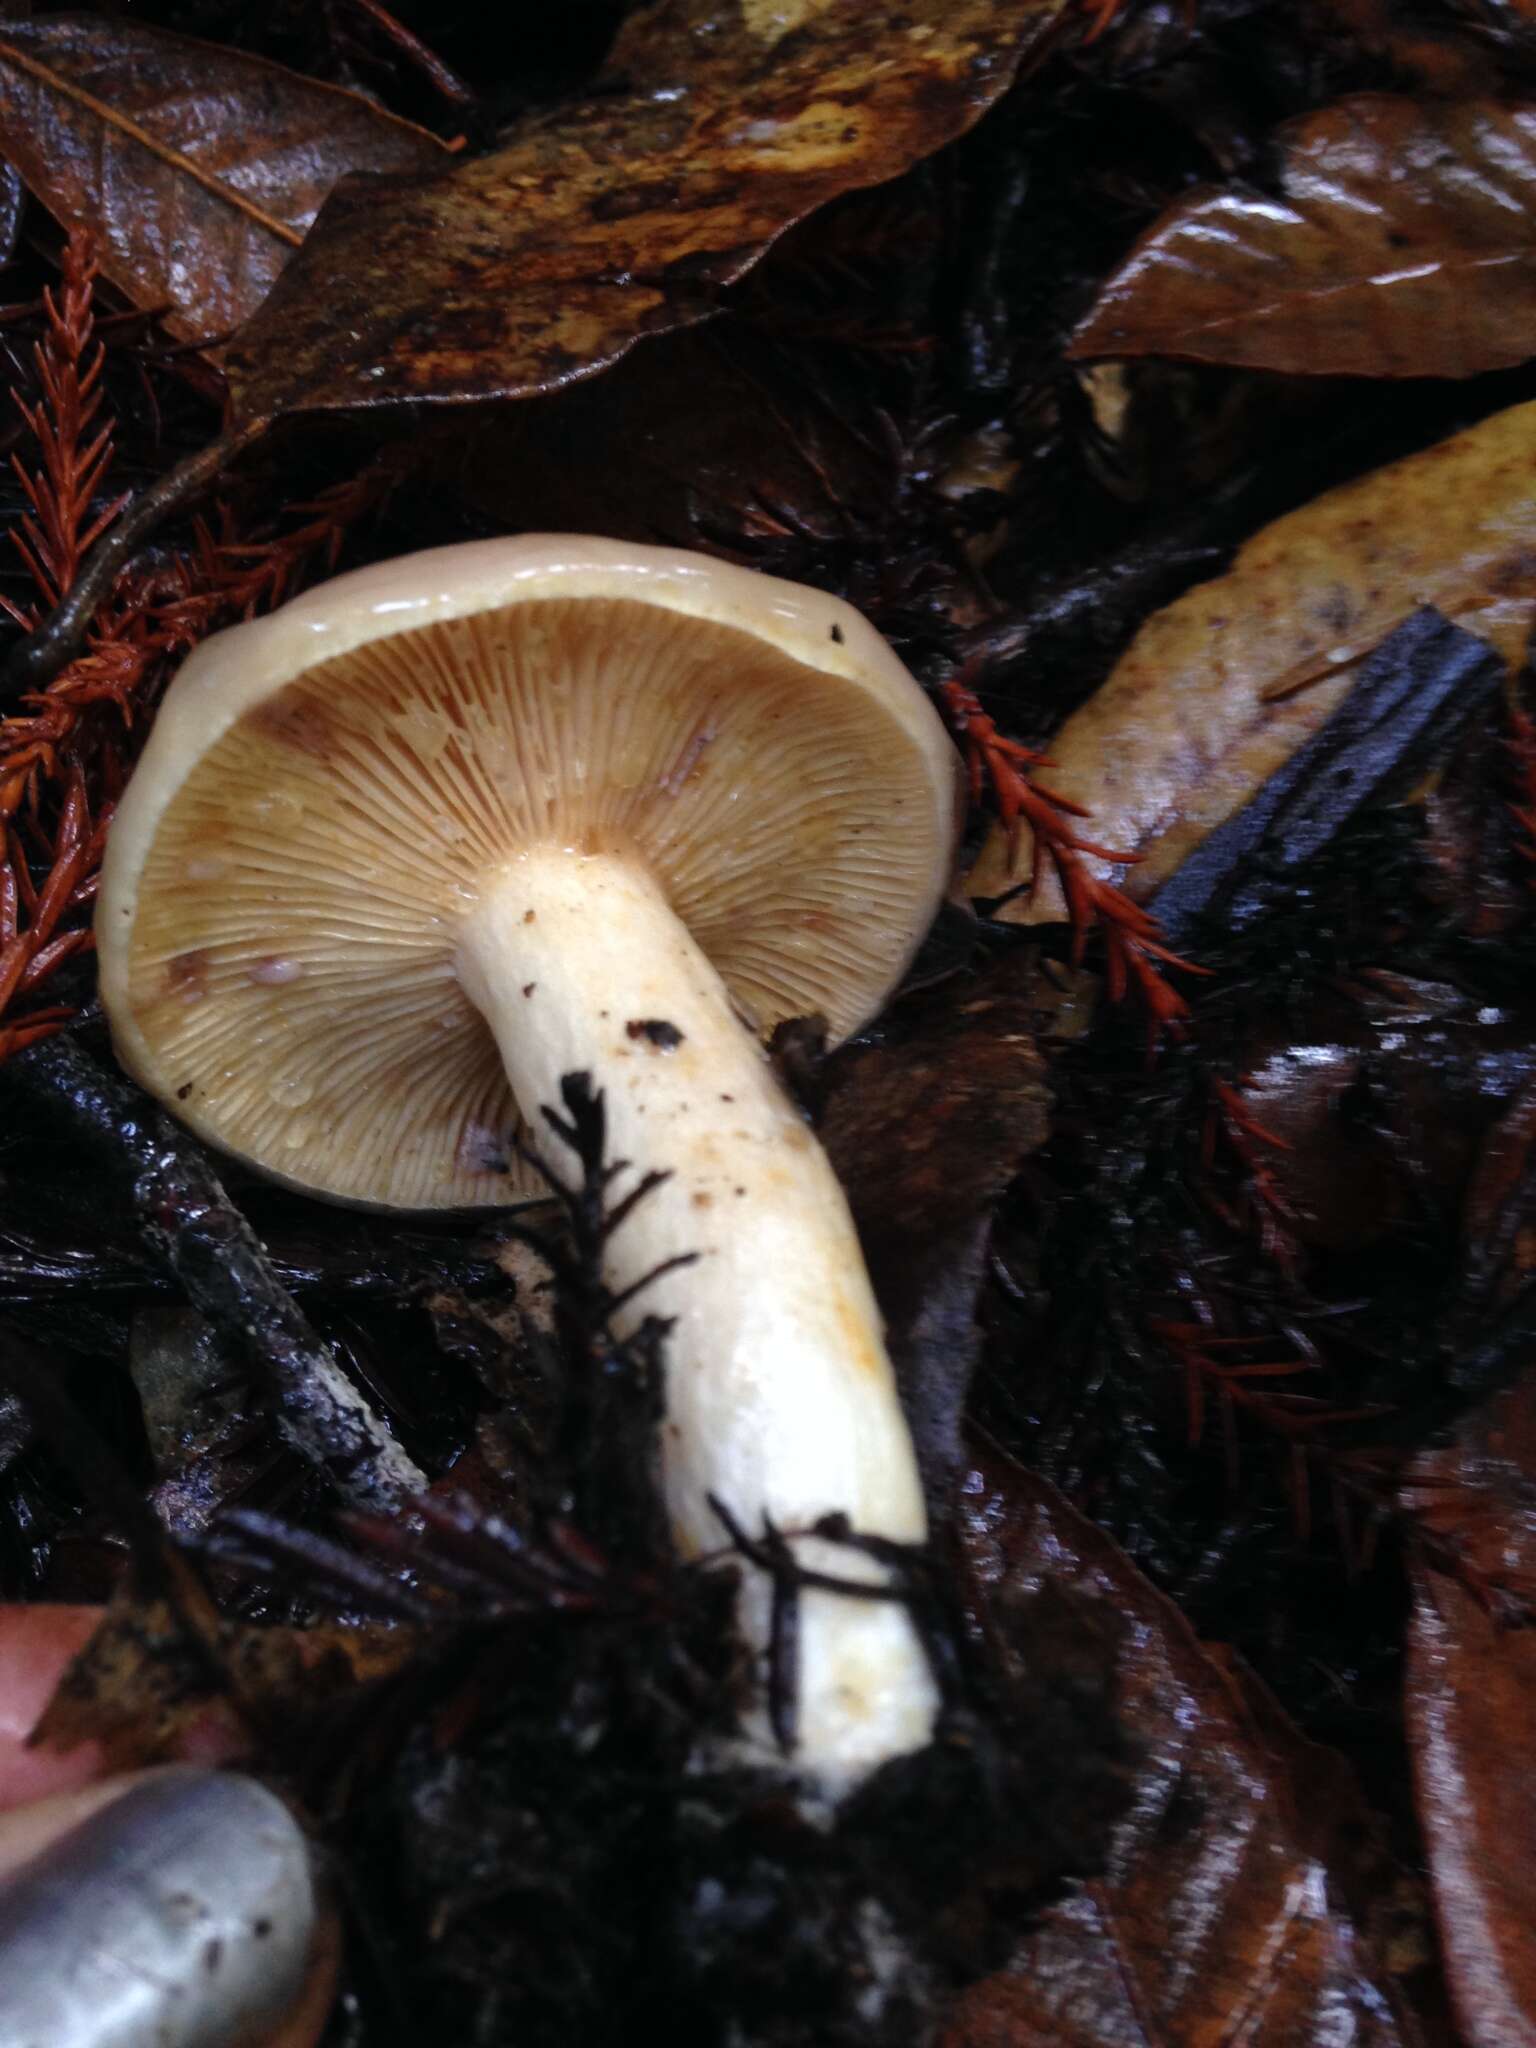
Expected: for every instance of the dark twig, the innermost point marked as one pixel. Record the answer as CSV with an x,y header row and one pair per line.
x,y
494,1568
783,1643
247,1536
773,1554
41,1263
38,658
769,1552
193,1228
445,80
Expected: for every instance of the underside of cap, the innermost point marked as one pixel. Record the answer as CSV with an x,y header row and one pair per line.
x,y
302,841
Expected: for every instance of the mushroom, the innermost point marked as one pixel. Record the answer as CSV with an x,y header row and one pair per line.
x,y
400,857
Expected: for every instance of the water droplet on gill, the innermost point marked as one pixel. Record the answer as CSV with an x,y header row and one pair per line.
x,y
499,760
630,767
426,731
290,1091
277,803
540,651
297,1135
204,868
274,970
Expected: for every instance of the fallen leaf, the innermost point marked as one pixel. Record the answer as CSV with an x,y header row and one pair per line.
x,y
1474,846
1400,245
1222,687
197,169
925,1131
710,431
622,215
1471,1709
1451,1083
148,1686
1223,1914
1432,57
1499,1223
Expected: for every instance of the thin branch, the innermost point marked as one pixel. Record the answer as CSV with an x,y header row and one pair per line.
x,y
190,1224
447,81
60,638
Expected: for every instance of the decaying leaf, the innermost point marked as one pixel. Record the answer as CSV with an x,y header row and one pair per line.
x,y
1500,1216
1451,1087
1224,685
1222,1915
925,1131
36,1643
1471,1707
1401,245
196,169
710,425
623,215
150,1685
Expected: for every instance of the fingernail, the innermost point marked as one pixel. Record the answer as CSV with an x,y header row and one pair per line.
x,y
182,1914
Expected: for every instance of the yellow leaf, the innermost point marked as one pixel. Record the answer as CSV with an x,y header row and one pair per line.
x,y
1221,687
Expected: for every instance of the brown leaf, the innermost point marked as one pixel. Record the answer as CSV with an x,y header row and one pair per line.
x,y
1499,1223
1452,1089
1222,1915
622,215
1403,244
1471,1709
196,168
1220,688
926,1130
155,1683
702,425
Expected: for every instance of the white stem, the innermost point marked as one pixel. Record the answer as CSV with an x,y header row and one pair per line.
x,y
780,1397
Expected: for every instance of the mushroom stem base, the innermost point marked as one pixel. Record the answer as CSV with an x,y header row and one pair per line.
x,y
780,1399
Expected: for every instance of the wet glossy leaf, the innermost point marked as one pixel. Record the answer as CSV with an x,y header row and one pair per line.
x,y
146,1686
1452,1113
623,215
1471,1707
926,1130
1220,688
1224,1912
196,169
1401,245
710,433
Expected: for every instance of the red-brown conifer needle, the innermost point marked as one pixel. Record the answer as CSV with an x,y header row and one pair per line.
x,y
1134,943
62,754
1231,1119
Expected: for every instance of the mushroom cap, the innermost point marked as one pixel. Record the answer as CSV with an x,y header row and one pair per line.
x,y
327,790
